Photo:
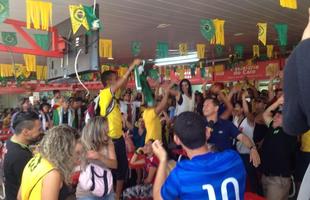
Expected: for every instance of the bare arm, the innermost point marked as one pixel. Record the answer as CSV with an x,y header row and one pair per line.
x,y
250,117
122,81
150,175
270,89
161,106
228,105
135,160
51,185
267,115
254,156
161,171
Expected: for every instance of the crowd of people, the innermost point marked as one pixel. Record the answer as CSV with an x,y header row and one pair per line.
x,y
217,142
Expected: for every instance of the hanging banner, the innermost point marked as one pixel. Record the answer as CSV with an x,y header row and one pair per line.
x,y
262,32
42,40
238,49
257,71
282,33
4,10
39,14
183,49
135,48
255,51
207,29
201,48
105,48
9,38
78,17
162,49
292,4
269,51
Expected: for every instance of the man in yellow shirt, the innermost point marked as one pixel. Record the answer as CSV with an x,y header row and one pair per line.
x,y
109,108
152,120
303,157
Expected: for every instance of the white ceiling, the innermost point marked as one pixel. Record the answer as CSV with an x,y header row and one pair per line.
x,y
128,20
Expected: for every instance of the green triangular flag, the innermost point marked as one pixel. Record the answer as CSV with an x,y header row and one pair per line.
x,y
9,38
135,48
91,18
282,33
238,49
4,10
162,49
42,40
219,50
207,28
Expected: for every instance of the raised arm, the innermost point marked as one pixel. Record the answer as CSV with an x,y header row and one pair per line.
x,y
245,106
122,81
270,89
228,105
161,106
267,115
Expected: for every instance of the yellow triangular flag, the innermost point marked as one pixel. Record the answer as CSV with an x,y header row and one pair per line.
x,y
269,51
262,32
255,51
78,17
183,49
41,72
292,4
105,48
201,48
30,62
219,31
39,14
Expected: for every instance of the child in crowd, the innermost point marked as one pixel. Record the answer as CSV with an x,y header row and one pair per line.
x,y
206,175
150,161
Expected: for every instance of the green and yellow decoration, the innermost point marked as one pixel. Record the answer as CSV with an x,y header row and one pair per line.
x,y
39,14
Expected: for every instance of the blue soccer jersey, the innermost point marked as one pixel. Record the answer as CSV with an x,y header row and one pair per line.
x,y
213,176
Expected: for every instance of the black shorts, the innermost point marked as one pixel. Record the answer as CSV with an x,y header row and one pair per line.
x,y
122,163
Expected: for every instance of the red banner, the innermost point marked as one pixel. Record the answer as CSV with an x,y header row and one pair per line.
x,y
255,71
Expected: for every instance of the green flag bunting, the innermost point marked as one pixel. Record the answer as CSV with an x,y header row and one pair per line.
x,y
219,50
207,28
162,49
282,33
42,40
238,49
135,48
4,10
9,38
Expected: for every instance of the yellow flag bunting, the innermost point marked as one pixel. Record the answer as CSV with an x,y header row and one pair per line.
x,y
219,32
292,4
269,51
30,62
255,51
183,49
262,32
78,17
105,48
201,48
39,14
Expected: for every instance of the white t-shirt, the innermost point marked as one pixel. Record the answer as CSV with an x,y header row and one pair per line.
x,y
246,128
134,105
188,104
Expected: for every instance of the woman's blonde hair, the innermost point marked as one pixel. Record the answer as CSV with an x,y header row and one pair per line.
x,y
58,146
95,134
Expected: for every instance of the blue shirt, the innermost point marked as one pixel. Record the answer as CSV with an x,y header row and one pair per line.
x,y
224,131
204,176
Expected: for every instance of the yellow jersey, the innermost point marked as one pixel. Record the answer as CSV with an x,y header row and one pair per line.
x,y
305,142
114,117
32,179
152,125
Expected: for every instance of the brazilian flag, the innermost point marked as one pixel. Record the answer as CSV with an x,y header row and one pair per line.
x,y
135,48
207,28
78,17
4,10
9,38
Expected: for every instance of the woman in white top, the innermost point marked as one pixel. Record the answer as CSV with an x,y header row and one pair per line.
x,y
185,98
244,121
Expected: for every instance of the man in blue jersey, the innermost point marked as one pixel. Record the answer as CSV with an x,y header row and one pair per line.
x,y
206,175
